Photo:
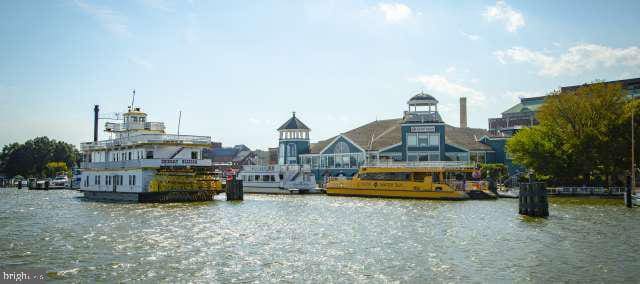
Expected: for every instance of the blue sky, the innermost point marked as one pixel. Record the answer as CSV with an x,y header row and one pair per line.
x,y
237,69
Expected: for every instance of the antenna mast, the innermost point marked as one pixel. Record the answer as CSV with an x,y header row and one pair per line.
x,y
133,99
179,119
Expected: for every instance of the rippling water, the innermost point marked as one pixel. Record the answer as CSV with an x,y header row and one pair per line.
x,y
317,239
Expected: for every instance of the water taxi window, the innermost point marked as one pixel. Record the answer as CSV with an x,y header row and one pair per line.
x,y
273,178
419,177
257,178
265,178
194,155
149,154
386,176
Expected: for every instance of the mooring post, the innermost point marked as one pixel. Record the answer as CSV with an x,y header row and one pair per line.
x,y
627,194
533,200
234,189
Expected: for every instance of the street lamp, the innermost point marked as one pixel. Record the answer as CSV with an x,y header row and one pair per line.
x,y
632,186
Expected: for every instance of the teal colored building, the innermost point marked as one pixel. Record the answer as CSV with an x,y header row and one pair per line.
x,y
293,141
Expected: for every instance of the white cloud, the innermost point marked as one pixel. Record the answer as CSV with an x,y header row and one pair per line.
x,y
579,58
394,12
471,37
450,69
112,21
512,19
441,85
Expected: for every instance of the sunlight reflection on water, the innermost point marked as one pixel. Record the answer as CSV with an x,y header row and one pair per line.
x,y
317,239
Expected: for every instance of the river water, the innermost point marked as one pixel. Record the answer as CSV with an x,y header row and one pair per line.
x,y
317,238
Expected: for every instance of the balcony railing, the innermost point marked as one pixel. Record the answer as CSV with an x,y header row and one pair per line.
x,y
118,127
270,168
432,164
146,163
147,138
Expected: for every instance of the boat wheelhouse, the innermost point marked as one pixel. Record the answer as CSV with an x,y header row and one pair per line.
x,y
143,163
417,180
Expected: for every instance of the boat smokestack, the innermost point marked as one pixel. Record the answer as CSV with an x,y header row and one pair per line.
x,y
96,110
463,112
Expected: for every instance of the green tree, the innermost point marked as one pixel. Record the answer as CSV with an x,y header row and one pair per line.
x,y
32,157
582,134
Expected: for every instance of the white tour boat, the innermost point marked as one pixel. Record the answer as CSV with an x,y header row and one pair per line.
x,y
144,164
277,179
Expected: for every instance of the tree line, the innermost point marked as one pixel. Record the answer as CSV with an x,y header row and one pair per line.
x,y
38,157
583,137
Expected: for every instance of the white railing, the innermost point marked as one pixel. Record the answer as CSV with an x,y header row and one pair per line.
x,y
272,168
146,163
118,127
432,164
147,138
586,190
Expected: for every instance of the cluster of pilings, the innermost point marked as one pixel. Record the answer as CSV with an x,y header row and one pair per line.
x,y
234,189
533,199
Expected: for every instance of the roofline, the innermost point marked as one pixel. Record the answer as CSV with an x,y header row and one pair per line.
x,y
336,139
391,146
623,81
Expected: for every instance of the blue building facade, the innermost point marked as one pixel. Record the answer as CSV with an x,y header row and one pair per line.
x,y
293,141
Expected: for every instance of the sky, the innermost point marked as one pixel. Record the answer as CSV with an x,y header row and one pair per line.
x,y
237,69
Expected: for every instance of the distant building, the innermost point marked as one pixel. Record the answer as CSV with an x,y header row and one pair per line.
x,y
523,114
517,117
234,157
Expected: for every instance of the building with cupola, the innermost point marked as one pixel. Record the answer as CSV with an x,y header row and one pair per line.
x,y
293,141
420,134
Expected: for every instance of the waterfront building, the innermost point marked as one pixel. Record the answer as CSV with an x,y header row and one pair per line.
x,y
293,141
420,135
288,176
143,163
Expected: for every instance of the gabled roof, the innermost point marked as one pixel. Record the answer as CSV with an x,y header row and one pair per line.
x,y
293,123
466,138
526,105
384,133
371,136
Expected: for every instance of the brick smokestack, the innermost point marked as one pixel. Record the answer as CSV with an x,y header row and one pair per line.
x,y
463,112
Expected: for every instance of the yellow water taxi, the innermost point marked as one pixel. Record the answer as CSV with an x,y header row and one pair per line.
x,y
425,180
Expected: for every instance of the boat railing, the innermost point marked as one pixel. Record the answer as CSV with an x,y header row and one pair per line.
x,y
147,163
271,168
432,164
147,138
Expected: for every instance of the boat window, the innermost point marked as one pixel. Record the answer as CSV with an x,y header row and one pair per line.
x,y
265,178
194,155
385,176
257,177
129,155
419,177
273,178
149,154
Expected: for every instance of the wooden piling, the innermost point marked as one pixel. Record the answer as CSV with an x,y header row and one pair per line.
x,y
234,190
533,200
